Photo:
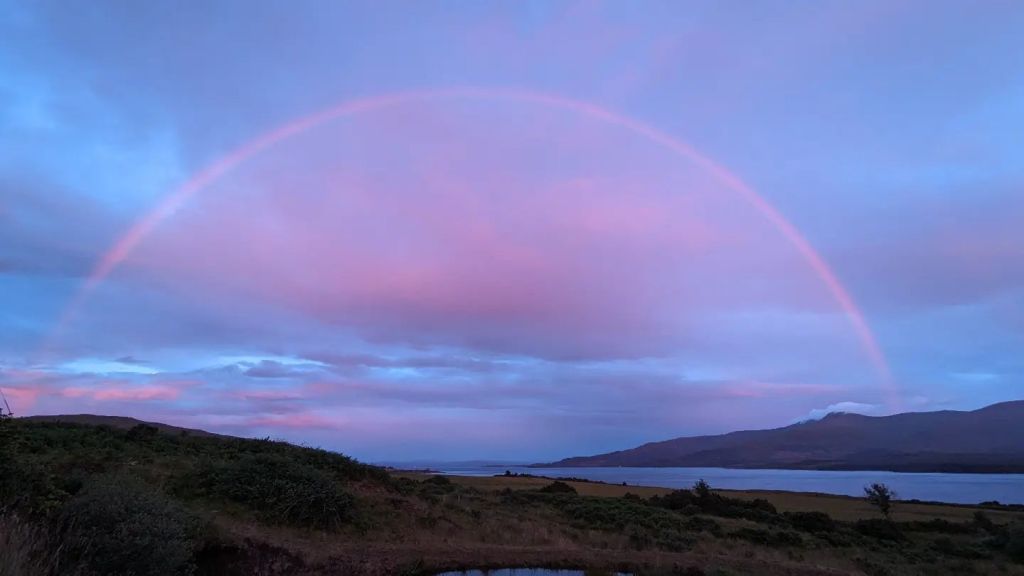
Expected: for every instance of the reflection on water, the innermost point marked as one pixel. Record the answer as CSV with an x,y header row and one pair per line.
x,y
529,572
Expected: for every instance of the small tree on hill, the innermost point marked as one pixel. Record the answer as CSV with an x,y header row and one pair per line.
x,y
702,489
880,496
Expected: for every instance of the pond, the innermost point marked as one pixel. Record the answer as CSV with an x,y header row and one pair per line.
x,y
528,572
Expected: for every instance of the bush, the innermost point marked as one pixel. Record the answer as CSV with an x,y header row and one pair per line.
x,y
118,525
983,522
880,496
813,522
702,490
1015,541
702,524
438,480
879,528
141,433
948,547
435,487
703,500
779,539
33,489
675,500
938,526
646,526
277,489
558,487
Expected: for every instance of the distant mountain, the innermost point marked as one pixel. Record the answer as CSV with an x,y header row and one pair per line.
x,y
122,422
987,440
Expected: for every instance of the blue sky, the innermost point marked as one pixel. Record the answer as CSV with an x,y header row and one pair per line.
x,y
516,261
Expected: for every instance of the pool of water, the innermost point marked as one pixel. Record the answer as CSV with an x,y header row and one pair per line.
x,y
529,572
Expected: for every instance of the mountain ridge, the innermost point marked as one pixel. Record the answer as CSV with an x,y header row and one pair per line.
x,y
986,440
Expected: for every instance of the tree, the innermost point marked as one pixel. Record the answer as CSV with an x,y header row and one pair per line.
x,y
702,489
880,496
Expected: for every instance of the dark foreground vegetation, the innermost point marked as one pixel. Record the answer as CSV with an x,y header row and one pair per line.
x,y
91,500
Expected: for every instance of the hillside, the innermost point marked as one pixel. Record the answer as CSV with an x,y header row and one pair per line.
x,y
990,439
86,500
120,422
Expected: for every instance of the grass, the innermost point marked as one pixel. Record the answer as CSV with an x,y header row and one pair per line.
x,y
78,499
24,548
845,508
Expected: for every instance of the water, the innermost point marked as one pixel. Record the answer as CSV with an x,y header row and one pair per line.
x,y
522,572
956,488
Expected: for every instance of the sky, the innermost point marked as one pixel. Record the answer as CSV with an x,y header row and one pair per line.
x,y
509,230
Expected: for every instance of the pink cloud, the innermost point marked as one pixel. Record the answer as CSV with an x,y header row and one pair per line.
x,y
125,391
539,232
300,420
752,389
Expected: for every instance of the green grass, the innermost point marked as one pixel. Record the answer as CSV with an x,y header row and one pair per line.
x,y
80,499
134,501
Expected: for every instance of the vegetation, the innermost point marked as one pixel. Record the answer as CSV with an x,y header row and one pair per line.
x,y
1015,541
279,490
90,500
558,487
881,497
24,548
117,524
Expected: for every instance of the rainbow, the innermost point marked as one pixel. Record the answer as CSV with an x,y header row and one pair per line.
x,y
167,206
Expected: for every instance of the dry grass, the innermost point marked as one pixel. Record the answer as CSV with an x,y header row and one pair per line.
x,y
424,524
846,508
23,548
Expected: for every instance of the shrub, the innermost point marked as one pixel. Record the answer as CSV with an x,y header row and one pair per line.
x,y
646,526
880,496
33,489
558,487
947,546
783,538
434,487
811,521
438,480
702,524
938,526
142,433
702,490
118,525
983,522
879,528
675,500
703,499
277,489
1015,541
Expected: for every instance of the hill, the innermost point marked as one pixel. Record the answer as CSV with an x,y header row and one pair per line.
x,y
120,422
984,440
81,499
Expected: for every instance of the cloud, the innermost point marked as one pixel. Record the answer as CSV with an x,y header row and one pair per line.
x,y
473,277
608,253
276,369
846,406
121,392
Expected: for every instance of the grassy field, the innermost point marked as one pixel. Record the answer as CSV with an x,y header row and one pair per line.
x,y
85,500
845,508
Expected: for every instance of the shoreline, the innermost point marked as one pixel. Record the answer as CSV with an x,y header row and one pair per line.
x,y
842,506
